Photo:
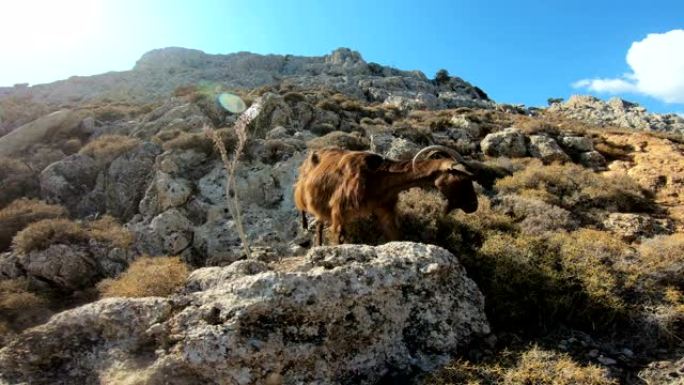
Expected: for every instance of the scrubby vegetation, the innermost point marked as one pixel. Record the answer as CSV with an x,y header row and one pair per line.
x,y
106,148
18,180
40,235
20,307
525,367
146,277
23,212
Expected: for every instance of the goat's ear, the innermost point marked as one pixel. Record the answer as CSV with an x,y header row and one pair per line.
x,y
313,158
459,169
373,161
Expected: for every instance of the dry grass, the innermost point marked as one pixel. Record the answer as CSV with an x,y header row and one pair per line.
x,y
23,212
20,308
200,142
537,366
40,235
575,188
339,139
107,229
533,366
147,277
18,180
106,148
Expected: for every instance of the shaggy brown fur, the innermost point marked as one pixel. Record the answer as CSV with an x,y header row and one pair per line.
x,y
337,186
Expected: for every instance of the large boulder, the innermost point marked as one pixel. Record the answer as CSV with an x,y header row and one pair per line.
x,y
509,143
68,181
348,314
54,124
127,178
546,149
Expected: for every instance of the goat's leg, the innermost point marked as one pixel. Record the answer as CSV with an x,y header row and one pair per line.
x,y
319,233
336,225
388,223
305,222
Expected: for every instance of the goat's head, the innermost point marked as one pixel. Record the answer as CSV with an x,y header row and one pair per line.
x,y
455,182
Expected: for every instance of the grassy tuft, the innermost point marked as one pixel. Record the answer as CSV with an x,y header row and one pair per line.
x,y
23,212
106,148
147,277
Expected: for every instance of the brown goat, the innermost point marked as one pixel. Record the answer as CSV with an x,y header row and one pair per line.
x,y
337,186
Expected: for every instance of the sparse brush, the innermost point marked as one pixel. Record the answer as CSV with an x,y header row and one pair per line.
x,y
23,212
147,277
106,148
231,167
107,229
19,307
41,234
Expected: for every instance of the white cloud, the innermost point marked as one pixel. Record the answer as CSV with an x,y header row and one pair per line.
x,y
657,64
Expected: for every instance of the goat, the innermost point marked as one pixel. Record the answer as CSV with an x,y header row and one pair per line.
x,y
337,186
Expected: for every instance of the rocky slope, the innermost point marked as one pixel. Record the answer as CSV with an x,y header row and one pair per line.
x,y
618,113
578,226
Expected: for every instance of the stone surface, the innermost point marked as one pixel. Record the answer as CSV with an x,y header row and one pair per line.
x,y
576,143
348,314
592,159
21,138
68,181
617,113
546,149
632,226
509,142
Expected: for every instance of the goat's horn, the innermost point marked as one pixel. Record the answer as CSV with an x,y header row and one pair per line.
x,y
437,148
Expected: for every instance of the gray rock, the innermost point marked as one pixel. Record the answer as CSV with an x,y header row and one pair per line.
x,y
127,178
68,181
632,226
21,138
68,267
546,149
509,142
616,112
401,149
592,159
342,314
169,233
577,144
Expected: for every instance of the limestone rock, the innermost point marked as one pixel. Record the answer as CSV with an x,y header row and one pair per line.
x,y
68,181
347,314
577,143
546,149
68,267
592,159
21,138
169,233
632,226
509,142
127,178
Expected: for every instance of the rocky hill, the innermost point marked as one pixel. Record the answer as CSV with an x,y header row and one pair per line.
x,y
122,263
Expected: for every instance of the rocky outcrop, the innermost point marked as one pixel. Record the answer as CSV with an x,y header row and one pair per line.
x,y
159,72
509,142
618,113
68,181
631,226
546,149
347,314
54,124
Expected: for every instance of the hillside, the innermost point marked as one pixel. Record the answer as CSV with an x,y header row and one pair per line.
x,y
121,262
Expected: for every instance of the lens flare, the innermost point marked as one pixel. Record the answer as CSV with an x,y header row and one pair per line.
x,y
231,103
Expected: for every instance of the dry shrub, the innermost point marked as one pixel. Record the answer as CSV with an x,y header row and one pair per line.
x,y
533,366
535,216
532,281
339,139
18,180
106,148
147,277
575,188
420,214
21,213
200,142
541,367
662,259
107,229
18,110
39,235
20,308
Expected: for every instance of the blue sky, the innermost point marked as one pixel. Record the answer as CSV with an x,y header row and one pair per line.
x,y
518,52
